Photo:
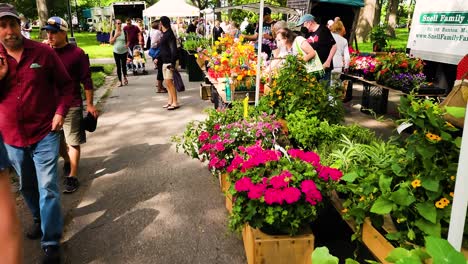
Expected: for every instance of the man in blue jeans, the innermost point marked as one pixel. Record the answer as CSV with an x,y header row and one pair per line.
x,y
36,93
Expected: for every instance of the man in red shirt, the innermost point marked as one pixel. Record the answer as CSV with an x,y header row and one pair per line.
x,y
35,95
77,64
134,37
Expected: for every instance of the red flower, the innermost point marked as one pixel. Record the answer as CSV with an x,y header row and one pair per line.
x,y
273,196
256,191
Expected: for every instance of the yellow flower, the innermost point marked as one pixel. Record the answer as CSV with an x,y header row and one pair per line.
x,y
306,92
239,77
280,97
278,92
445,201
439,204
290,94
272,103
344,211
196,56
362,198
416,183
452,178
433,137
451,194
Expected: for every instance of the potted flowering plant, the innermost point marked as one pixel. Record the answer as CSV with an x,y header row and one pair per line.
x,y
279,192
397,63
218,146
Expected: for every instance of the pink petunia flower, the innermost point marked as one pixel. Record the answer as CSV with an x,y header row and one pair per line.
x,y
256,191
243,185
291,195
203,136
327,173
217,127
273,196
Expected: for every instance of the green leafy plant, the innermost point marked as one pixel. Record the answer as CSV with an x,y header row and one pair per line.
x,y
437,250
308,132
295,89
411,178
379,38
192,42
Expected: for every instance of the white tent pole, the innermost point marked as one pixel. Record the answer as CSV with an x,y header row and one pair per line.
x,y
460,197
259,55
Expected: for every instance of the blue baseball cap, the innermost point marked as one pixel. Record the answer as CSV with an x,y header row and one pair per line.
x,y
56,24
305,18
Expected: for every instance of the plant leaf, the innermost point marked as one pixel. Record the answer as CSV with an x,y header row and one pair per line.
x,y
442,252
428,211
428,227
396,254
351,261
350,177
402,197
455,111
322,256
382,206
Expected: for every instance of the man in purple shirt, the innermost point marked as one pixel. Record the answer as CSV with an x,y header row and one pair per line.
x,y
77,64
35,95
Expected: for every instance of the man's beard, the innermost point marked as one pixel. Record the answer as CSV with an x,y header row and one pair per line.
x,y
13,42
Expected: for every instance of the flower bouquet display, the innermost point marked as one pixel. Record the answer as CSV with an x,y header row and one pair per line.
x,y
218,146
363,66
275,191
398,70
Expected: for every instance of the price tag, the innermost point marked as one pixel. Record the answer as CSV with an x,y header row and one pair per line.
x,y
403,126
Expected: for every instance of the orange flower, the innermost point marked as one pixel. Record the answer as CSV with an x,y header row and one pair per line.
x,y
445,201
416,183
439,204
433,137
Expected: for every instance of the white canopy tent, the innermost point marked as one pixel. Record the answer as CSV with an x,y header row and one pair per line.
x,y
171,8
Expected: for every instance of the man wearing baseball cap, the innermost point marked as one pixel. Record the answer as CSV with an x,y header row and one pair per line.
x,y
268,38
36,93
321,39
77,64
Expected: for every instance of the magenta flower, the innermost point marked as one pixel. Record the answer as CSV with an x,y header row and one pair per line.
x,y
214,137
203,136
256,191
327,173
243,185
219,146
205,148
217,127
279,182
291,195
313,195
235,163
310,157
273,196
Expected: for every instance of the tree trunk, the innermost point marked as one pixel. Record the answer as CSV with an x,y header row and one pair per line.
x,y
365,20
378,12
392,17
410,14
43,13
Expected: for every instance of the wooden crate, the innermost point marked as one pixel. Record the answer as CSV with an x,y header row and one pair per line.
x,y
225,185
205,91
261,248
377,244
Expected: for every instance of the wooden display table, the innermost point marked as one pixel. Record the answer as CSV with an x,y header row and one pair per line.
x,y
218,93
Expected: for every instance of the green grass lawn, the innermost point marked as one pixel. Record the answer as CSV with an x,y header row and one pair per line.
x,y
87,41
397,43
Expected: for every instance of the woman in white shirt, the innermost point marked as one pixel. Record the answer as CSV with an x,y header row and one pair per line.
x,y
341,58
289,43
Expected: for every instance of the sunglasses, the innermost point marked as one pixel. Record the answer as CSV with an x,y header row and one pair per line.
x,y
119,23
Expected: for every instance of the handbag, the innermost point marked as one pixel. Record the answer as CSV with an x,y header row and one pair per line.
x,y
458,97
314,65
178,83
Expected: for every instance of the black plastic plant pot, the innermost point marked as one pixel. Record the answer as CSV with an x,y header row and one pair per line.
x,y
193,70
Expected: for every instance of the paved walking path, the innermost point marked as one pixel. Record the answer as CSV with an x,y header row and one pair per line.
x,y
140,201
